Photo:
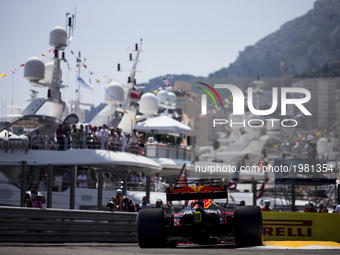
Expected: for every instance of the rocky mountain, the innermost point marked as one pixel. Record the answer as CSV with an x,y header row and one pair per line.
x,y
305,43
330,70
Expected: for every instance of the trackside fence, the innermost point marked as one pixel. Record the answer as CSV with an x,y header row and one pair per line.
x,y
19,224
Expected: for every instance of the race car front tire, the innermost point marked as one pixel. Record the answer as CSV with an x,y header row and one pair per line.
x,y
248,226
150,228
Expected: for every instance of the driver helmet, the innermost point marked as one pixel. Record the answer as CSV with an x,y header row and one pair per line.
x,y
159,201
267,202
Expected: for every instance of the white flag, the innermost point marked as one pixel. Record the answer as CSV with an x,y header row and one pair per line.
x,y
83,83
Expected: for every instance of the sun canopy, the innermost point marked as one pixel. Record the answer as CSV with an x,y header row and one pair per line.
x,y
163,125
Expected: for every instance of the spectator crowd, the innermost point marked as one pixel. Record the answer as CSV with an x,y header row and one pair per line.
x,y
125,204
90,137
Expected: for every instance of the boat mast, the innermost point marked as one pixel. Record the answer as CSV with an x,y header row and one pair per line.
x,y
138,50
131,78
77,103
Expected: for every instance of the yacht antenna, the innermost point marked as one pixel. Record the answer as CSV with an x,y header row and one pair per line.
x,y
131,78
138,50
78,90
70,24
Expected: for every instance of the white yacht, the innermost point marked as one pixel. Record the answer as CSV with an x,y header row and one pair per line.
x,y
15,144
46,114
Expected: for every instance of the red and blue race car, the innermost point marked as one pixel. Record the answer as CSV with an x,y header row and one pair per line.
x,y
202,221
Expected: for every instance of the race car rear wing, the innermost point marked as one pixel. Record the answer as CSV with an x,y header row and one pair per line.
x,y
199,192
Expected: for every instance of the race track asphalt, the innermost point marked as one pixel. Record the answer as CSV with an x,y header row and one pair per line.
x,y
277,248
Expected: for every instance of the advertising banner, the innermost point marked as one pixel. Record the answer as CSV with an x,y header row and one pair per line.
x,y
282,226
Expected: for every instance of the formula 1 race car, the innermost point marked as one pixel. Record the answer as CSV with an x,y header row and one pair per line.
x,y
203,221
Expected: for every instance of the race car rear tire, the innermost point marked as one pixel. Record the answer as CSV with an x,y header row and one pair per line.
x,y
150,228
248,226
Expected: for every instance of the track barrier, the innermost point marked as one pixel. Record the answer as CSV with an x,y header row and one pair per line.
x,y
297,226
20,224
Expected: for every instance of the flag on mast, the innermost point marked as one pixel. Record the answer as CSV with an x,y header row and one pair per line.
x,y
83,83
14,70
261,190
182,180
232,184
262,163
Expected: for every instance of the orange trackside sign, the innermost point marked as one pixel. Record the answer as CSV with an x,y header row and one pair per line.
x,y
301,226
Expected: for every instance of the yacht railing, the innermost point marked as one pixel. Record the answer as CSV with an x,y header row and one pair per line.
x,y
166,151
84,142
59,185
153,150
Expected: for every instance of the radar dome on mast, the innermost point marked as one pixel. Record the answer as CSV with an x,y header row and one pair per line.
x,y
148,104
48,73
114,93
322,145
34,69
58,37
163,97
172,98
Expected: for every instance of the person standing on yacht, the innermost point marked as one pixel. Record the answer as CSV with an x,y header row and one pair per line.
x,y
37,141
158,181
121,139
67,135
134,178
141,144
60,137
87,136
66,179
134,140
103,136
82,179
143,179
127,144
93,139
81,134
75,137
112,140
34,198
